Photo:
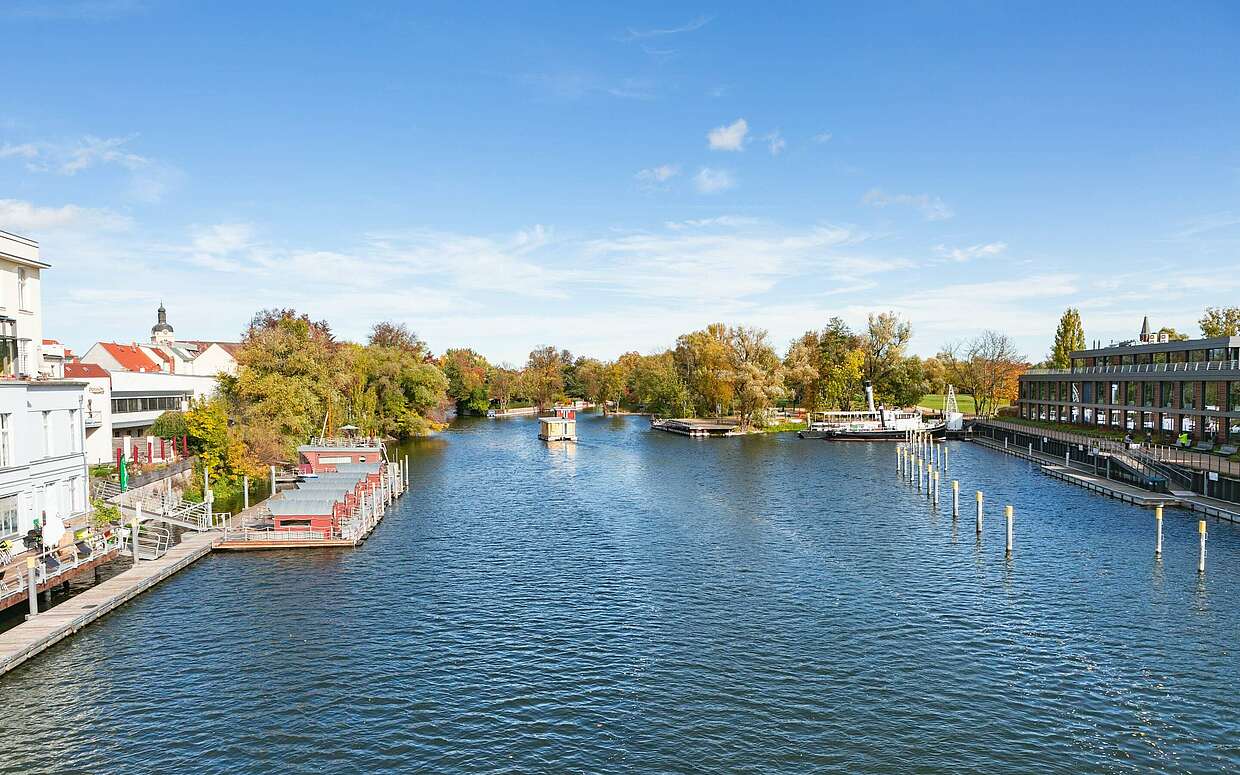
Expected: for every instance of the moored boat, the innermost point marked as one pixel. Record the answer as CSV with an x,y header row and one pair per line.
x,y
873,424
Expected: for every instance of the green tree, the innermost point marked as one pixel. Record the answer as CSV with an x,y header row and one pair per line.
x,y
1069,338
467,373
219,447
169,425
757,374
885,338
543,377
1172,334
502,385
1220,321
705,360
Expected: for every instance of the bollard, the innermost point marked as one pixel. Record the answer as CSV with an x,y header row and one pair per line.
x,y
1005,442
245,489
1067,458
32,586
899,459
980,498
1158,525
1031,449
1007,517
955,498
1201,557
273,481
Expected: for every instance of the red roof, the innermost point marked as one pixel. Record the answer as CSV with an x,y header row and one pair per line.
x,y
130,357
50,341
82,370
229,347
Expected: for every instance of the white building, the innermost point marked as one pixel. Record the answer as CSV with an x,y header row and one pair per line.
x,y
42,430
21,308
164,353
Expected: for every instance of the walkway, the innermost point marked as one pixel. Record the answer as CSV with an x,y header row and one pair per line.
x,y
1055,467
35,635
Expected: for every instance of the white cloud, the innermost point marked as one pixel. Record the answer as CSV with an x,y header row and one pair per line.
x,y
659,174
713,181
149,179
23,151
932,208
728,221
694,24
971,252
730,137
822,137
31,220
776,143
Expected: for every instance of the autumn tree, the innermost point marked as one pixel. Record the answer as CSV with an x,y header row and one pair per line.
x,y
987,367
466,372
502,384
757,375
543,377
1220,321
705,361
883,342
1069,338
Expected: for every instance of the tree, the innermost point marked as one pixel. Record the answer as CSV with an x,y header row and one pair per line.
x,y
884,341
169,425
396,336
1172,334
1220,321
987,368
219,447
502,384
1069,338
756,373
655,384
467,373
801,374
705,361
543,378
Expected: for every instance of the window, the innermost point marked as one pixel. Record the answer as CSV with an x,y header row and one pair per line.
x,y
1160,357
1089,414
75,435
1218,354
1147,394
6,440
1114,396
1130,393
1235,398
8,516
1087,394
1213,396
1167,394
1189,393
21,287
1179,356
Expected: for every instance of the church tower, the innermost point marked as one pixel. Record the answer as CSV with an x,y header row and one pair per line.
x,y
161,332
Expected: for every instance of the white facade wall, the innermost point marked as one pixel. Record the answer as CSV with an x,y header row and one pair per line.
x,y
213,360
20,298
44,472
129,382
98,414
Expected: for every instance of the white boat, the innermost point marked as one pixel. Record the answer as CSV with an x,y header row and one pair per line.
x,y
870,425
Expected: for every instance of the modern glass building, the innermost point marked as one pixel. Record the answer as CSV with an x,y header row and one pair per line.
x,y
1152,386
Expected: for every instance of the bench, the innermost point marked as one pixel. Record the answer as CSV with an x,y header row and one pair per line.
x,y
1204,446
1227,450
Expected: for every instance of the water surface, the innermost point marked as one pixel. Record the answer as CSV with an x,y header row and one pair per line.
x,y
642,602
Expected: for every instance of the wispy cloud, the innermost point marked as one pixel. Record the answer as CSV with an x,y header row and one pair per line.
x,y
712,181
729,221
573,85
636,34
822,137
775,143
654,176
29,219
730,137
1206,224
149,179
932,208
962,255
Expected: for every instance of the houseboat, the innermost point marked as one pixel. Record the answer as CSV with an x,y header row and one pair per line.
x,y
879,424
561,426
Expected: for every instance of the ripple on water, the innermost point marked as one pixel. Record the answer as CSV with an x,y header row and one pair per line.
x,y
646,602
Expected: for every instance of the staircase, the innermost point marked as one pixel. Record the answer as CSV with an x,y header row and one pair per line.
x,y
164,506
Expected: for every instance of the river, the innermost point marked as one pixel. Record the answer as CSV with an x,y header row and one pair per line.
x,y
643,602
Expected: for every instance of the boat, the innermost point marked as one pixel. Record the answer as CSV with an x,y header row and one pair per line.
x,y
873,424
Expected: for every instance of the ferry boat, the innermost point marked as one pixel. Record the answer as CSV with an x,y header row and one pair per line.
x,y
871,425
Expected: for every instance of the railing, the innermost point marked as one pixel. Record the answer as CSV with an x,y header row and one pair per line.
x,y
1188,469
1146,368
346,441
52,564
153,542
289,534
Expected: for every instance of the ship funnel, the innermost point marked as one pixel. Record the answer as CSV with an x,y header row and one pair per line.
x,y
869,395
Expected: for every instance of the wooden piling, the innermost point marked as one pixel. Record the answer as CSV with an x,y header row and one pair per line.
x,y
1158,515
1008,518
1201,555
32,586
980,499
919,470
955,498
245,489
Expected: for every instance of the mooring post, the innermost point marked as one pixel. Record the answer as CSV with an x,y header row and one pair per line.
x,y
955,498
936,488
245,489
980,498
1005,439
1158,514
1008,517
1031,450
945,454
1201,556
137,521
273,482
899,458
919,467
32,584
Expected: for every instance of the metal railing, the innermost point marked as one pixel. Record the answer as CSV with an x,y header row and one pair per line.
x,y
367,442
52,563
1146,368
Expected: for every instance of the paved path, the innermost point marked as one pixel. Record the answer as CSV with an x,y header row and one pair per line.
x,y
30,638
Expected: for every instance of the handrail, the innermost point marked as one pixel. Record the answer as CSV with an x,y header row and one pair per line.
x,y
1145,368
99,544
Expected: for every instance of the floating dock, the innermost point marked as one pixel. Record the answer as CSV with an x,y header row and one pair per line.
x,y
695,428
49,627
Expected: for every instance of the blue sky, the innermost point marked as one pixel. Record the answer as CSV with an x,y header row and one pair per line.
x,y
606,179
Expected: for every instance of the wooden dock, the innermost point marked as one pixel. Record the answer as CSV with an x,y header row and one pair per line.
x,y
49,627
695,428
1112,489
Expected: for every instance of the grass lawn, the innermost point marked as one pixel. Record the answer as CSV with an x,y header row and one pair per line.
x,y
935,401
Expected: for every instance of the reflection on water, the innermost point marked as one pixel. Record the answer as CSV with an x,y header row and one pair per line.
x,y
642,601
